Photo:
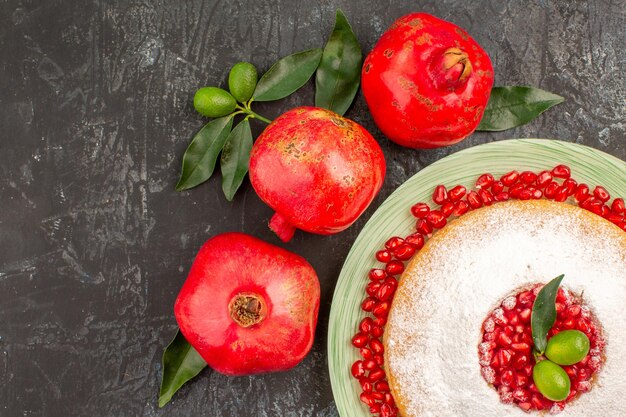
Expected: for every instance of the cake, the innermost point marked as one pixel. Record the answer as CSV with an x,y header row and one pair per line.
x,y
463,273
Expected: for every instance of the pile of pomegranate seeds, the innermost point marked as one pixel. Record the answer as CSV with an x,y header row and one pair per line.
x,y
506,357
556,185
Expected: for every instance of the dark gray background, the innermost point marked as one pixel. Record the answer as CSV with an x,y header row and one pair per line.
x,y
95,113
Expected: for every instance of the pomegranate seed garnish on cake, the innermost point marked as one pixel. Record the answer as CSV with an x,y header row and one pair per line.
x,y
417,338
505,352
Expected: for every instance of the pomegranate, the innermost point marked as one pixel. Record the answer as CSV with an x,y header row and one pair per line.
x,y
426,82
247,306
317,170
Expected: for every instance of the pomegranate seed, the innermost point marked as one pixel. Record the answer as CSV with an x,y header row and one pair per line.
x,y
528,370
485,181
507,378
561,194
521,394
504,357
582,193
404,251
537,403
570,185
366,385
440,195
377,274
460,208
360,340
521,347
424,227
528,177
436,219
486,196
386,411
357,369
474,200
381,386
525,298
614,218
601,194
510,178
420,210
456,193
526,406
366,325
525,194
367,399
551,189
502,196
561,171
504,340
368,304
618,206
381,310
377,330
389,399
376,375
394,267
516,189
544,178
366,353
372,288
377,346
605,211
537,193
379,321
385,292
415,239
394,242
375,408
497,187
573,311
378,396
370,364
447,209
379,359
520,361
383,256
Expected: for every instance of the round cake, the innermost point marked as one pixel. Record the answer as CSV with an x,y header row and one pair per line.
x,y
466,269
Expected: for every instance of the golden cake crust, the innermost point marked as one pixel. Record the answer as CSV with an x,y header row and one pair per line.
x,y
416,300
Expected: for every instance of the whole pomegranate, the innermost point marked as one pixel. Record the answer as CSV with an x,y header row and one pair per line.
x,y
317,170
247,306
426,82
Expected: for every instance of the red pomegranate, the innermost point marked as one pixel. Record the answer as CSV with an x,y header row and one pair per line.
x,y
317,170
426,82
247,306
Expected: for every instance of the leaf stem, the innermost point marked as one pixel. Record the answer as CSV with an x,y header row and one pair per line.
x,y
247,110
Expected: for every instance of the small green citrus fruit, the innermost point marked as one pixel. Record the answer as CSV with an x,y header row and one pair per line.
x,y
551,380
242,81
214,102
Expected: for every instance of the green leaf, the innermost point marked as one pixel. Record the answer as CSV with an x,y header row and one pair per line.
x,y
201,154
287,75
339,73
235,158
544,313
509,107
181,363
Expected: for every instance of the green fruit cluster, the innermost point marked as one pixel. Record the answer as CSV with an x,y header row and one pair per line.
x,y
565,348
217,102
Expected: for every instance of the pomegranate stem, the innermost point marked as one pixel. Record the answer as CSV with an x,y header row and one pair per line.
x,y
282,227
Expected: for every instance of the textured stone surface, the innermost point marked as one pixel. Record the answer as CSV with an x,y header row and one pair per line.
x,y
95,110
